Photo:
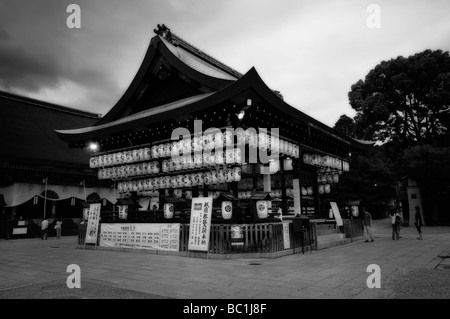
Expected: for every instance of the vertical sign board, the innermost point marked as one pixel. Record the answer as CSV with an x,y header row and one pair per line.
x,y
286,237
337,214
92,226
200,226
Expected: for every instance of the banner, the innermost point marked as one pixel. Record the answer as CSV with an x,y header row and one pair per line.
x,y
143,236
237,235
92,226
337,214
200,225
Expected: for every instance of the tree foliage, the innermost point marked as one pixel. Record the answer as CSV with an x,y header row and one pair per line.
x,y
404,99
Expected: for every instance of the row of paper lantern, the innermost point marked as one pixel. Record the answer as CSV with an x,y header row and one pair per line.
x,y
196,144
326,161
328,178
226,175
129,170
322,189
174,164
262,209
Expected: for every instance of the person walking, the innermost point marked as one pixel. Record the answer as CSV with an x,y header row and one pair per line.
x,y
58,228
44,228
367,225
396,221
418,222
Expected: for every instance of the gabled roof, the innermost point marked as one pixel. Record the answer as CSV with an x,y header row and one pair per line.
x,y
210,84
169,55
27,132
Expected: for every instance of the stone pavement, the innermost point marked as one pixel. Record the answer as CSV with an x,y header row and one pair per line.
x,y
410,268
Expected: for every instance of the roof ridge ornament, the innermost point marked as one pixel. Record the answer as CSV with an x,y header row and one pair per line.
x,y
164,32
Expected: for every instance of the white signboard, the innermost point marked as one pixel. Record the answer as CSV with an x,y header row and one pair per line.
x,y
92,226
286,236
200,225
19,231
337,214
143,236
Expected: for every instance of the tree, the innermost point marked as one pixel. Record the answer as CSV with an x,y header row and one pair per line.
x,y
345,125
404,99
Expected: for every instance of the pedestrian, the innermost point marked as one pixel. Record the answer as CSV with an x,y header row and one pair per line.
x,y
396,221
418,222
44,228
58,228
367,225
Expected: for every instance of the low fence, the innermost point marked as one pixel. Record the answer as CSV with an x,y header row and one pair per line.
x,y
256,238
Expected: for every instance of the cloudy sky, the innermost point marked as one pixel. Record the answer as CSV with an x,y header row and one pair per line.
x,y
310,51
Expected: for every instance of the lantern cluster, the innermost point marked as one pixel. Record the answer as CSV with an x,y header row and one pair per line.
x,y
225,175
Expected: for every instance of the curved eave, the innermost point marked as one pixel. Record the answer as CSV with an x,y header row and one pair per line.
x,y
251,80
156,46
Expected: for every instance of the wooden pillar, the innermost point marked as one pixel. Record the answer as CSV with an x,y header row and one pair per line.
x,y
283,188
267,183
296,166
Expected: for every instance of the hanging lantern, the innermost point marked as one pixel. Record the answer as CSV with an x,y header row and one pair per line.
x,y
321,189
262,209
227,210
327,188
168,210
355,211
123,212
310,190
304,191
336,178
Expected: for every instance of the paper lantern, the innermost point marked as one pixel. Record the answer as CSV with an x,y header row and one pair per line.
x,y
230,175
212,159
219,157
335,178
238,156
155,151
251,137
304,191
201,179
227,210
188,194
309,190
187,180
169,210
355,211
262,209
146,183
214,177
222,176
198,160
321,189
262,140
229,156
327,188
173,181
120,187
227,138
237,174
218,140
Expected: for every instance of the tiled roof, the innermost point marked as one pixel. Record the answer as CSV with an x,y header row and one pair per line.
x,y
165,33
27,129
197,63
